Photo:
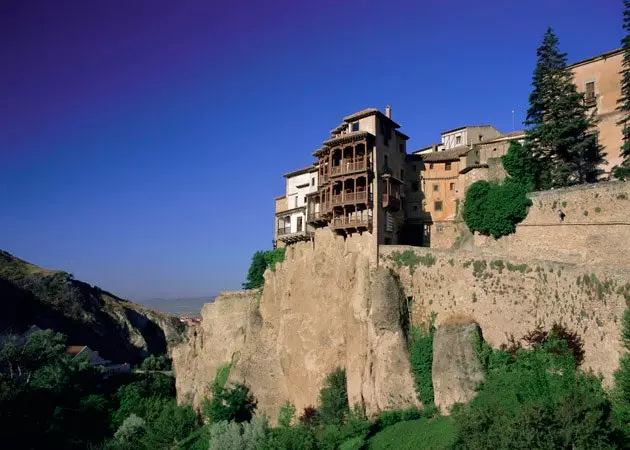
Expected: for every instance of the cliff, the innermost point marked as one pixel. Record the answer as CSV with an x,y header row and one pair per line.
x,y
120,330
327,305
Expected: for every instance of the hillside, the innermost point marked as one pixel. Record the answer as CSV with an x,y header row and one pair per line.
x,y
120,330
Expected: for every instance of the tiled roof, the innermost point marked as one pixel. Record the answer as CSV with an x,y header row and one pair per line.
x,y
512,135
369,112
465,126
339,128
348,137
451,154
311,168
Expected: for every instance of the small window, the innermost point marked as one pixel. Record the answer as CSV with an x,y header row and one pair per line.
x,y
385,159
437,206
355,126
589,94
494,149
401,148
431,166
447,166
304,199
295,202
481,138
414,207
452,186
458,139
402,174
313,181
439,228
436,187
413,167
414,186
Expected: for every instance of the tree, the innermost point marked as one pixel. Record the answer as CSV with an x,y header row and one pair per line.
x,y
333,398
520,165
623,171
260,262
234,403
621,392
561,136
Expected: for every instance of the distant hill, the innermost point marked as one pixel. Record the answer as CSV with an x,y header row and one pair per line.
x,y
189,306
120,330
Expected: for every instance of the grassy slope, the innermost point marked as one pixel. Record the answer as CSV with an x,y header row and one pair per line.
x,y
438,433
86,314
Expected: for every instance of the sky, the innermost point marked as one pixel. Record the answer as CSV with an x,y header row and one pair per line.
x,y
142,142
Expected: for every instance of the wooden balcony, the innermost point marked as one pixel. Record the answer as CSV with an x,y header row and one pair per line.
x,y
349,166
317,218
339,223
350,198
391,201
290,238
283,231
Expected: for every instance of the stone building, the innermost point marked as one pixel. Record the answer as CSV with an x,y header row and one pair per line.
x,y
292,221
359,176
599,79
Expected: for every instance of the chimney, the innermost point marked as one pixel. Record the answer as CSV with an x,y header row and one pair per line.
x,y
388,112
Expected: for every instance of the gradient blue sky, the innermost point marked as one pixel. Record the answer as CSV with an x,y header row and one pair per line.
x,y
142,142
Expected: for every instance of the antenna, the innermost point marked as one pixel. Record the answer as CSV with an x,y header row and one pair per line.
x,y
512,120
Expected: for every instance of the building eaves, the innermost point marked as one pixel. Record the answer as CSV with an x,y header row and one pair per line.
x,y
604,55
401,134
280,198
505,137
427,147
339,128
307,169
369,112
348,137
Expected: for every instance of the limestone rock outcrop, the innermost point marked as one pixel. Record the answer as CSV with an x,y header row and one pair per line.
x,y
328,305
456,370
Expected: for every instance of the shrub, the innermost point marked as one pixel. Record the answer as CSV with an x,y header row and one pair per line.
x,y
621,391
234,403
286,415
421,359
260,262
309,416
130,431
239,436
153,362
333,398
520,165
495,209
292,438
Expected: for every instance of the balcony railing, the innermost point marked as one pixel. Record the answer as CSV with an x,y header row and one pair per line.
x,y
590,101
285,230
350,222
348,166
391,201
350,197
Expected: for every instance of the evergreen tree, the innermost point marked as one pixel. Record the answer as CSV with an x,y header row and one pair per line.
x,y
561,135
624,102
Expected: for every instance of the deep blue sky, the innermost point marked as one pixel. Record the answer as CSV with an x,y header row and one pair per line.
x,y
142,142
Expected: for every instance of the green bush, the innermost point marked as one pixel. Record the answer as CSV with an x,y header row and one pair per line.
x,y
239,436
292,438
495,209
286,415
621,391
421,359
235,403
260,262
333,398
521,165
437,433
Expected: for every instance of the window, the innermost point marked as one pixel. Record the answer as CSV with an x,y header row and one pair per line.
x,y
413,167
402,174
589,95
481,138
431,166
295,202
437,206
414,186
313,181
401,148
385,160
299,224
436,187
447,166
414,207
355,126
439,228
452,186
458,139
305,199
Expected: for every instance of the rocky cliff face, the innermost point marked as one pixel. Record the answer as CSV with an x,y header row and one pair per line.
x,y
328,305
120,330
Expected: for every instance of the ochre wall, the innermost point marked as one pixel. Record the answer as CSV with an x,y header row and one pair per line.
x,y
505,301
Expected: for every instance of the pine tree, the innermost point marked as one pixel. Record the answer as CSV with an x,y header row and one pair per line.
x,y
624,101
561,136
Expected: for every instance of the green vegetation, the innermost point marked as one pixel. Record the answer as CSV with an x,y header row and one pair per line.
x,y
564,204
585,213
494,209
523,268
437,433
621,391
563,148
234,403
286,415
411,259
598,209
479,267
497,265
260,262
451,262
421,359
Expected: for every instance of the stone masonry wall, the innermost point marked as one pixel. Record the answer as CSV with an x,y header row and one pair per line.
x,y
511,296
595,230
